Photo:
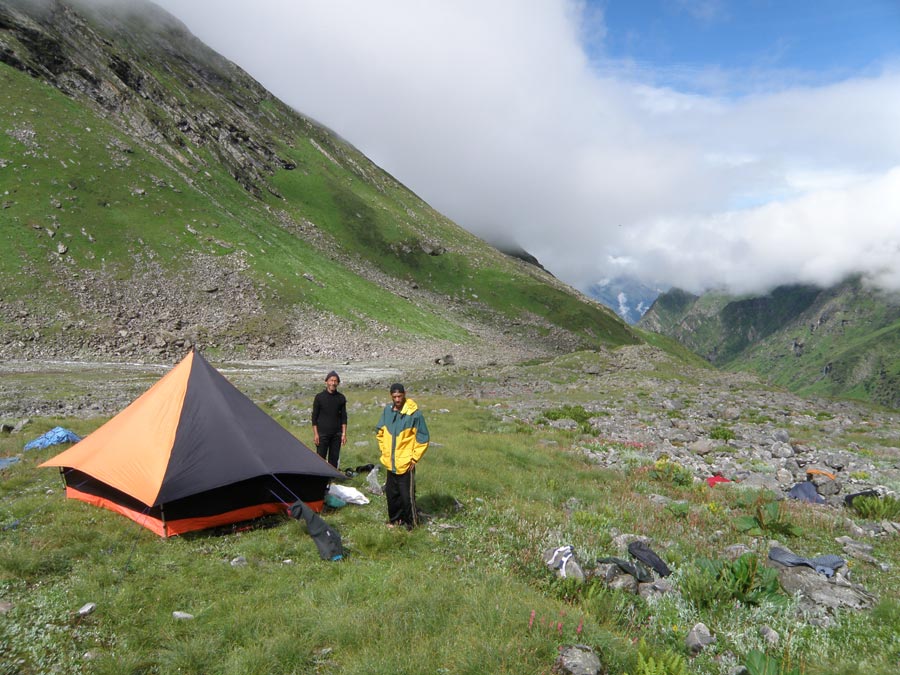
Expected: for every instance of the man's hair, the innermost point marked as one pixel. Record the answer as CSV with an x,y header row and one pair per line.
x,y
397,387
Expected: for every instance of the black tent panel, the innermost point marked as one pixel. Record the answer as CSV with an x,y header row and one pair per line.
x,y
224,438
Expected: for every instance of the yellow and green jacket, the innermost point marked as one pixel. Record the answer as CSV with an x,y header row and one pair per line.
x,y
402,436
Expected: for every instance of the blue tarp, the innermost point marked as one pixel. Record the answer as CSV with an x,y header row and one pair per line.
x,y
52,437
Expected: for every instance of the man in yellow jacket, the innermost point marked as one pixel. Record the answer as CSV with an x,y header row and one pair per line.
x,y
403,439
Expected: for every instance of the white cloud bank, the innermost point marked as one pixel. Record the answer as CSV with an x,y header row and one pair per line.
x,y
492,112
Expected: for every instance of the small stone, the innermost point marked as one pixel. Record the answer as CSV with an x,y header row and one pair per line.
x,y
702,447
182,616
655,589
625,583
87,609
770,635
784,476
698,639
735,551
782,450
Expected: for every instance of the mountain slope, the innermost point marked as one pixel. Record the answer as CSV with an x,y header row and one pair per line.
x,y
839,341
156,196
627,297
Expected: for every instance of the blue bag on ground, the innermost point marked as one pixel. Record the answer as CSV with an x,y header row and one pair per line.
x,y
806,492
54,436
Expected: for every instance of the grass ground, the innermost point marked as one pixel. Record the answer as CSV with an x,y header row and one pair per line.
x,y
467,593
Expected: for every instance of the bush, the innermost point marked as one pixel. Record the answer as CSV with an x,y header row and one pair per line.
x,y
571,412
877,508
759,663
671,472
722,433
745,580
768,518
665,663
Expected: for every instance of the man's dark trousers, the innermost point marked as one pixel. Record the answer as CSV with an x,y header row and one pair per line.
x,y
329,447
400,491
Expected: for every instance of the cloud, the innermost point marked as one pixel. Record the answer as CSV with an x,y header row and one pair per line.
x,y
500,119
820,237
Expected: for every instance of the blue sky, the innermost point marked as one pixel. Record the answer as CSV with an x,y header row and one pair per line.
x,y
795,41
698,143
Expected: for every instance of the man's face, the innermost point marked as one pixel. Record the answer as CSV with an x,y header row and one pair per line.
x,y
331,384
399,398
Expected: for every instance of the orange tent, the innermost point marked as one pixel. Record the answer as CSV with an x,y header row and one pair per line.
x,y
193,452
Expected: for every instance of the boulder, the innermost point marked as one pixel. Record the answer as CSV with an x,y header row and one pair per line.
x,y
577,660
819,591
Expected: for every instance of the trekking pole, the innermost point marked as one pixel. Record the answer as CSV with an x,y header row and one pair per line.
x,y
412,496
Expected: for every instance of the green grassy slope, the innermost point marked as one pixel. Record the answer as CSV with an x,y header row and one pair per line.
x,y
127,145
855,357
841,341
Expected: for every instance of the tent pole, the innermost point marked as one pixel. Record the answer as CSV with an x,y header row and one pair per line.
x,y
162,517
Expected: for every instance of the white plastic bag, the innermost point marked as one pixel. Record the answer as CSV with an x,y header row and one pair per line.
x,y
349,494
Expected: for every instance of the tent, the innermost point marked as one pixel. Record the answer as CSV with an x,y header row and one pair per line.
x,y
191,453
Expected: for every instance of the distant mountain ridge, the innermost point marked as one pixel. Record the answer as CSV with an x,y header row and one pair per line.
x,y
157,197
838,341
627,297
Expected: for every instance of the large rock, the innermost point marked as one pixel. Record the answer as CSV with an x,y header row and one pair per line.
x,y
818,591
577,660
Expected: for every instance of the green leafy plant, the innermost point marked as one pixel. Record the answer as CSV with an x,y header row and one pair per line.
x,y
678,509
668,471
665,663
576,413
745,580
722,433
759,663
877,508
768,518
